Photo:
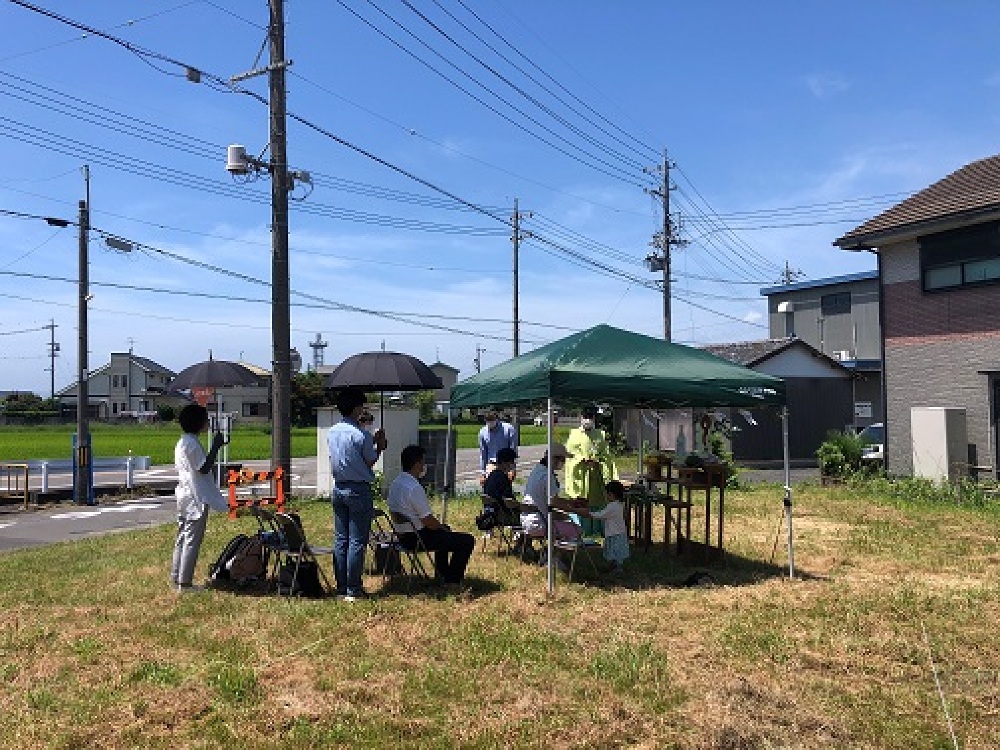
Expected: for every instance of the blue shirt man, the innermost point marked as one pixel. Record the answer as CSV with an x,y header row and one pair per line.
x,y
494,436
353,453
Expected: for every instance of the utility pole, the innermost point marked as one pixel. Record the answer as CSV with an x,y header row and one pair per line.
x,y
478,360
789,275
281,378
53,353
663,240
516,238
82,479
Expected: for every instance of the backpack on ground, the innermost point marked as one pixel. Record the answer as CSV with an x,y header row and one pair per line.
x,y
243,558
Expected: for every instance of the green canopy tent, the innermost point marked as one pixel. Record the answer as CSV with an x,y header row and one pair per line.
x,y
622,368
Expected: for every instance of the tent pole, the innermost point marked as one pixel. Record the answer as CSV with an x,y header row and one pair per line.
x,y
788,491
447,469
550,536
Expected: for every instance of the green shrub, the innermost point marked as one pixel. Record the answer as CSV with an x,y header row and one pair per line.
x,y
840,454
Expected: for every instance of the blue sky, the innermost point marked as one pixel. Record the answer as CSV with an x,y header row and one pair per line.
x,y
789,123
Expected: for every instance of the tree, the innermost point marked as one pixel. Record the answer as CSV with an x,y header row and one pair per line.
x,y
426,403
307,395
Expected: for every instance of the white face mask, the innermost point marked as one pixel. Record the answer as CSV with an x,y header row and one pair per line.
x,y
423,472
587,424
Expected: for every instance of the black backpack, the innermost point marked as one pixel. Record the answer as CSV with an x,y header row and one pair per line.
x,y
243,558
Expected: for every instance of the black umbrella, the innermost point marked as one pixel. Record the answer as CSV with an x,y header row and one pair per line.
x,y
383,371
213,373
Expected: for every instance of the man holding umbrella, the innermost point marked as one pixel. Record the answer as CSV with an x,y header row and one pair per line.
x,y
353,453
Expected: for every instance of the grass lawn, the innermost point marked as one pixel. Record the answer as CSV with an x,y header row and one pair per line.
x,y
96,651
248,442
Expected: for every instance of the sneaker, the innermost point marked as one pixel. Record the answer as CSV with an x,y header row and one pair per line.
x,y
189,588
355,597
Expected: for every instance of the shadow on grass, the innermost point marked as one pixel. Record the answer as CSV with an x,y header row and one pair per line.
x,y
656,567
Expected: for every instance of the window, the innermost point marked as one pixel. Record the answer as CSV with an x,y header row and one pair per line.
x,y
124,381
114,407
114,381
836,304
252,410
965,257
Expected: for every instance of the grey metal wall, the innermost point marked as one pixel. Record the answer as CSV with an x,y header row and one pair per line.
x,y
815,406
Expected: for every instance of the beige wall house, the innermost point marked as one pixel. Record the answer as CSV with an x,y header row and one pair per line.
x,y
939,271
128,387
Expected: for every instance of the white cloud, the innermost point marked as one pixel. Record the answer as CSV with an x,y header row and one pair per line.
x,y
825,85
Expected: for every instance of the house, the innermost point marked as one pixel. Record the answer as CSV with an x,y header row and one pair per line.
x,y
129,386
839,317
821,393
449,376
938,256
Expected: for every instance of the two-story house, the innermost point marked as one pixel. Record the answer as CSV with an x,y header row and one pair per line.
x,y
938,256
839,317
129,386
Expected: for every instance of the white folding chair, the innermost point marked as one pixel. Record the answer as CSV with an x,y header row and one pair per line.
x,y
574,545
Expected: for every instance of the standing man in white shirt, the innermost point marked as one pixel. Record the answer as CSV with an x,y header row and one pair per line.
x,y
407,499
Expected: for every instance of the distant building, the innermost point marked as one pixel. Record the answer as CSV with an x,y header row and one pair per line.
x,y
449,376
129,386
938,256
839,317
820,395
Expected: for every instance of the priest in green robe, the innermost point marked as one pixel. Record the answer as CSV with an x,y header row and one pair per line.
x,y
589,464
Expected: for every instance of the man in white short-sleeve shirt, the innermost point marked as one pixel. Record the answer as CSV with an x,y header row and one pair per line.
x,y
414,521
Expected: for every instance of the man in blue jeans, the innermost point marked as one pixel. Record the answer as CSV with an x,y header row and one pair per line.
x,y
353,453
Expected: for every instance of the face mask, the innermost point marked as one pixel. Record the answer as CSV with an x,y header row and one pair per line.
x,y
587,424
423,472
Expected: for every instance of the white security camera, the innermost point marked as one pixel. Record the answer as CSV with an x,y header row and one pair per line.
x,y
236,160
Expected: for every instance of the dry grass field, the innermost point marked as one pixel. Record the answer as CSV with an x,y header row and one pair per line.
x,y
97,652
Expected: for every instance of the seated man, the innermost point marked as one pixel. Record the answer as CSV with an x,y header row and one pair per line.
x,y
498,487
407,499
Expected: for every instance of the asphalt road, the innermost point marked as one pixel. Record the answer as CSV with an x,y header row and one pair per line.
x,y
49,524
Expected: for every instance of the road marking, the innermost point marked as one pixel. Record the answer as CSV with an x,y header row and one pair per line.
x,y
80,514
7,525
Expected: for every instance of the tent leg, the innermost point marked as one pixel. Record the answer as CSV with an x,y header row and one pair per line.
x,y
550,535
788,491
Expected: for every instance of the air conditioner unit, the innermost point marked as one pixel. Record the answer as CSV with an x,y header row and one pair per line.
x,y
844,355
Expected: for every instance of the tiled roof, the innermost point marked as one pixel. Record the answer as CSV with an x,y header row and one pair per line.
x,y
748,353
970,191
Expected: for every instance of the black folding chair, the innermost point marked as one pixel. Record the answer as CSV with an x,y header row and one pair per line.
x,y
282,533
389,554
508,529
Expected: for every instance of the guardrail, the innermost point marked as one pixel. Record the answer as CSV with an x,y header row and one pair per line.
x,y
128,464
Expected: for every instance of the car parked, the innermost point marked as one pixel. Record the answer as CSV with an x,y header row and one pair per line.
x,y
873,437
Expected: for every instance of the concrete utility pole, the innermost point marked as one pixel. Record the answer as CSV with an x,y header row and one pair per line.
x,y
53,353
478,360
281,376
82,480
663,240
516,238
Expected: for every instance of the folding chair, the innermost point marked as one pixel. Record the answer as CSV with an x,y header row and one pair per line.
x,y
528,536
395,519
506,530
574,544
296,549
384,543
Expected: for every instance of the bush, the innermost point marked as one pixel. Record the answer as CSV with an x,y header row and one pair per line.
x,y
840,454
166,413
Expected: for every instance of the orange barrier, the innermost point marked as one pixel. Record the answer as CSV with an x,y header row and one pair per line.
x,y
248,476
